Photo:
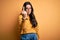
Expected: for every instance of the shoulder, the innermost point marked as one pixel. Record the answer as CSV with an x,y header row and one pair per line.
x,y
20,18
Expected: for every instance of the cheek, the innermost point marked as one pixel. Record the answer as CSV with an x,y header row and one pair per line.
x,y
30,10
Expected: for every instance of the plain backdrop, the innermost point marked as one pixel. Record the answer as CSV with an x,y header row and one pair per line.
x,y
46,12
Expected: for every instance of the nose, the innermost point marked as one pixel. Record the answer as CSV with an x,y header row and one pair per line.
x,y
28,9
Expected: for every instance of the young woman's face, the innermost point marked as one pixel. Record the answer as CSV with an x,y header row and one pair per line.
x,y
28,9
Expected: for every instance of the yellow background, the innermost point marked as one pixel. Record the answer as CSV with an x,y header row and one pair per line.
x,y
46,12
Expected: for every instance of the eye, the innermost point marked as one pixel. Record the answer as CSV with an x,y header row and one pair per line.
x,y
28,8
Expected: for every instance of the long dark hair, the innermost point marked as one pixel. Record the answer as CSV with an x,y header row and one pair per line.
x,y
31,15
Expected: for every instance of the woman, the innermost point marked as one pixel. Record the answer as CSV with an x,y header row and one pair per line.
x,y
29,29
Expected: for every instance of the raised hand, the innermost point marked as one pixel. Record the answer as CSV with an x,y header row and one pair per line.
x,y
24,13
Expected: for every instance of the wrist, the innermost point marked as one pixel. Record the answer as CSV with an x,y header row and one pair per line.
x,y
24,18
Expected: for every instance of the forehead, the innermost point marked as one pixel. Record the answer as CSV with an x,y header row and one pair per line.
x,y
28,6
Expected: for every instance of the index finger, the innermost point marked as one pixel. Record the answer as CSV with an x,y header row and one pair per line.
x,y
23,8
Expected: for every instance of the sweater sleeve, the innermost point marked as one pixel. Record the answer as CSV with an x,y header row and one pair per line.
x,y
20,19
